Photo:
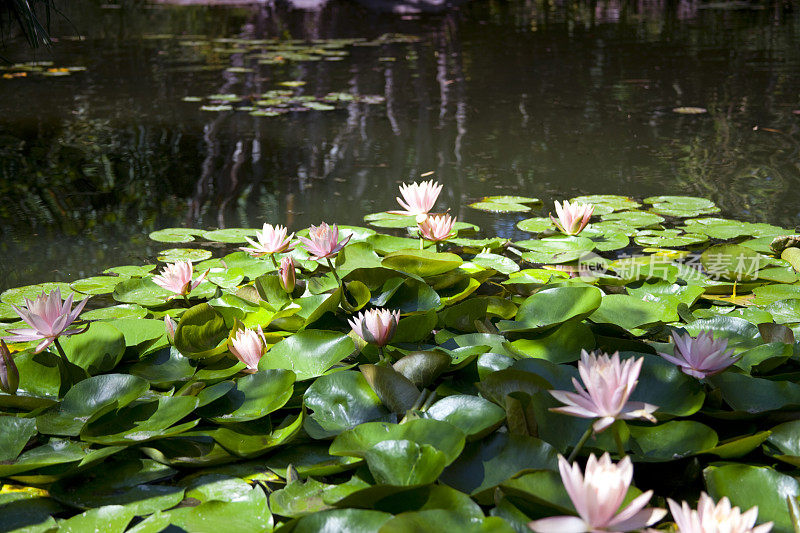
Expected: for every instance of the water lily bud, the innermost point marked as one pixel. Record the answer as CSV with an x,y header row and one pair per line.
x,y
286,274
9,375
170,326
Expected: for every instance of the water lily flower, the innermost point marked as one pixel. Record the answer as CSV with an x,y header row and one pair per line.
x,y
418,199
271,240
608,383
48,318
177,278
572,218
9,374
169,326
376,326
597,498
248,346
700,356
437,228
323,241
286,274
719,518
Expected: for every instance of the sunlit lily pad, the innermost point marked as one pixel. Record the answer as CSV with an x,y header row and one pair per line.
x,y
175,255
681,206
96,284
17,295
175,235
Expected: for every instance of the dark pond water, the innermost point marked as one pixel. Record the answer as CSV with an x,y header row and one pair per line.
x,y
519,97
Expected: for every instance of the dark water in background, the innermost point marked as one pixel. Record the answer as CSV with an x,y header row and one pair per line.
x,y
531,98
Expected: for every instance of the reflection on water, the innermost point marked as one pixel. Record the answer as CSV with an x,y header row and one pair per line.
x,y
521,97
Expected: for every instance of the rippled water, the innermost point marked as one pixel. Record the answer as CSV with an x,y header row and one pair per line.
x,y
511,97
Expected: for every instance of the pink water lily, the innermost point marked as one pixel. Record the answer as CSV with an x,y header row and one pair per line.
x,y
572,218
418,199
376,326
323,241
700,356
177,278
48,318
719,518
437,228
609,383
597,498
286,274
248,346
271,240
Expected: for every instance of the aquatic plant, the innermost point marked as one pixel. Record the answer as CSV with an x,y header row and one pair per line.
x,y
49,318
392,387
597,496
713,518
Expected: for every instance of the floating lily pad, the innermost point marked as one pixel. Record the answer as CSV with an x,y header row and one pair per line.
x,y
175,255
176,234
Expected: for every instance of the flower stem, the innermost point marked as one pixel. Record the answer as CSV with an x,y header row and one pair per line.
x,y
345,302
274,261
584,438
380,354
421,243
61,351
333,271
618,440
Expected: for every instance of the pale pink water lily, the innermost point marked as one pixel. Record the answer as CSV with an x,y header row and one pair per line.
x,y
323,241
418,199
719,518
376,326
609,383
437,228
177,278
572,218
597,497
271,240
248,346
48,317
286,274
700,356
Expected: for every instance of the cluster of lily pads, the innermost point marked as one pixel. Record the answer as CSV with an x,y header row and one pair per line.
x,y
36,68
256,55
413,375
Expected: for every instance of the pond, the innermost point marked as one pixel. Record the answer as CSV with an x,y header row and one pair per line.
x,y
525,98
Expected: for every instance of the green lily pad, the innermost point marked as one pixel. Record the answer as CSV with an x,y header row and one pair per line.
x,y
309,353
422,263
255,396
142,422
471,414
96,284
91,397
553,306
175,255
748,486
130,271
341,401
141,291
681,206
176,234
487,463
115,311
17,295
230,235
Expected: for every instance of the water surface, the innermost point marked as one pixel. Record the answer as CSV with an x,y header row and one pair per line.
x,y
517,97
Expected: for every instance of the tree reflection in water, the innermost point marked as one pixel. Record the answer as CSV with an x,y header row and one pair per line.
x,y
539,98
